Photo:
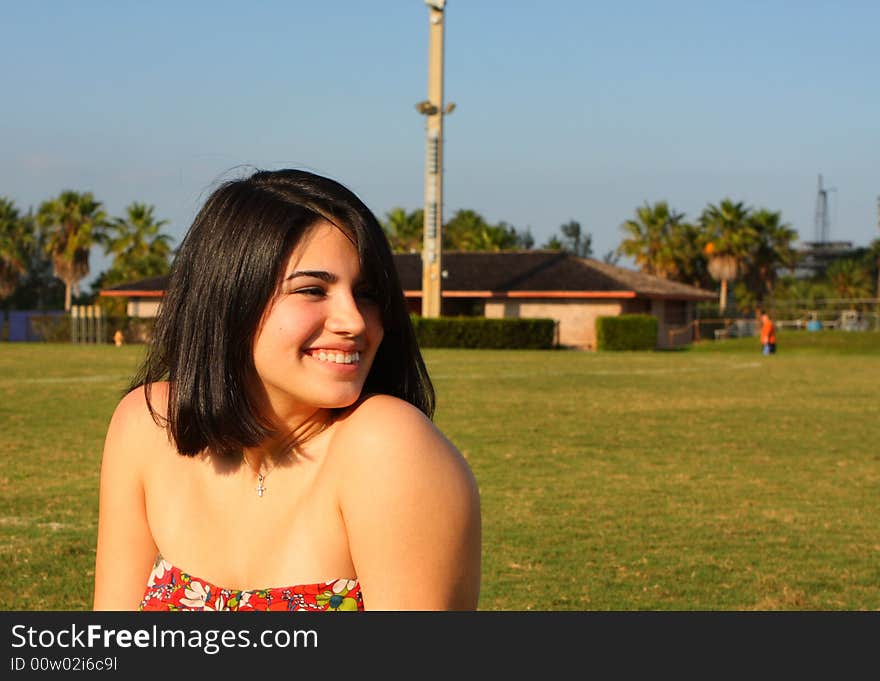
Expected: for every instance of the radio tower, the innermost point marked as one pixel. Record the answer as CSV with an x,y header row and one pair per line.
x,y
823,219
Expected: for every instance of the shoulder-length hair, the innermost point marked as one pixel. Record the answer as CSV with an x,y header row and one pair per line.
x,y
227,270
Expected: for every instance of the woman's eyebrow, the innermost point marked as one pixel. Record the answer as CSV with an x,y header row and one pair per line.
x,y
317,274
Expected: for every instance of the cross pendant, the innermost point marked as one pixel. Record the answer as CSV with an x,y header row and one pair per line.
x,y
260,487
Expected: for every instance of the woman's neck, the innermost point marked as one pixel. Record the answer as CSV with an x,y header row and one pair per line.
x,y
291,432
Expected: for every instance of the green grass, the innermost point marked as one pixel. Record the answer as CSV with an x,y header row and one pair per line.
x,y
714,479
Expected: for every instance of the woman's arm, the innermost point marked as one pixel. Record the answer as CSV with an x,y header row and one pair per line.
x,y
411,509
126,550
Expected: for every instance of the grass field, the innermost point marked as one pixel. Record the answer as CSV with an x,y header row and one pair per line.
x,y
710,479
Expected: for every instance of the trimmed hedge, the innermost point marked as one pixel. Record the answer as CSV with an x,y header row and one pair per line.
x,y
626,332
479,332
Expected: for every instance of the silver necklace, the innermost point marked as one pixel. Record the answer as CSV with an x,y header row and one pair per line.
x,y
260,477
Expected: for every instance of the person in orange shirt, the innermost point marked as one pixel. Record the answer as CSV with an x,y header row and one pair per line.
x,y
768,334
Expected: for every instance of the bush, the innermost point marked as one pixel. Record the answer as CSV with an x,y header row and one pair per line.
x,y
137,329
479,332
51,328
626,332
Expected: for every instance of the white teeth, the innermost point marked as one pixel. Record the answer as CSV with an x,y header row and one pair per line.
x,y
338,357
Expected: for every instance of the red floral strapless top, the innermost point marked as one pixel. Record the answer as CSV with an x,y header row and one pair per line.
x,y
169,588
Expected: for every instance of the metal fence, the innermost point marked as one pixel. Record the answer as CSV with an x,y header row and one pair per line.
x,y
850,315
84,324
845,314
87,324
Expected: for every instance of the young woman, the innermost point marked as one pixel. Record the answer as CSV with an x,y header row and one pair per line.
x,y
276,451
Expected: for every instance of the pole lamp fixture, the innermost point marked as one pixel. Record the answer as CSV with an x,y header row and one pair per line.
x,y
433,110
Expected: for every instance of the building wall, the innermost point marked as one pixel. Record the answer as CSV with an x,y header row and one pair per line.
x,y
143,307
577,318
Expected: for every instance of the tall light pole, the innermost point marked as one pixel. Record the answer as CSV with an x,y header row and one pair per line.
x,y
433,110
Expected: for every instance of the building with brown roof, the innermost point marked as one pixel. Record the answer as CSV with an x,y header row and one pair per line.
x,y
550,284
143,296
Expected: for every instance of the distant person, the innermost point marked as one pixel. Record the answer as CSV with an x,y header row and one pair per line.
x,y
276,450
768,334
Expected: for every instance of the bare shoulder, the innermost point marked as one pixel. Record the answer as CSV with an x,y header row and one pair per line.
x,y
385,432
376,413
411,508
133,423
126,547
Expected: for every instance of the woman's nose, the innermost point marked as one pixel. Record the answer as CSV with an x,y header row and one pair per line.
x,y
345,316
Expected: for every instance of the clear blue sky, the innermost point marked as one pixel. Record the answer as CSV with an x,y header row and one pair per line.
x,y
565,109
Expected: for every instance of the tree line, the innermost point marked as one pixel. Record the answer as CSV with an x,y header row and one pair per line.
x,y
730,247
44,254
467,230
55,243
752,248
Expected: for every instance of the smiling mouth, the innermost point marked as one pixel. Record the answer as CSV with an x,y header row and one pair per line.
x,y
336,357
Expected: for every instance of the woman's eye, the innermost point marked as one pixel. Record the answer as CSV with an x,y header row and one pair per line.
x,y
313,291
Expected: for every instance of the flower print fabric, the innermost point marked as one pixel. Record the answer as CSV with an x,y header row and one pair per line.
x,y
169,588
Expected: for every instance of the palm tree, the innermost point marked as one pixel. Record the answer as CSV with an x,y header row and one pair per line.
x,y
771,250
686,242
801,292
404,230
648,241
16,240
71,224
467,230
730,237
137,244
849,278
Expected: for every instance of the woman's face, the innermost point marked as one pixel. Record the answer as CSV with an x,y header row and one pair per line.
x,y
319,335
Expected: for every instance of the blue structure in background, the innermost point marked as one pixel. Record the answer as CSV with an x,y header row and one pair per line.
x,y
20,328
